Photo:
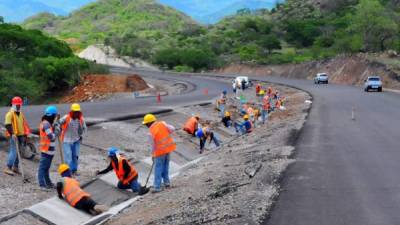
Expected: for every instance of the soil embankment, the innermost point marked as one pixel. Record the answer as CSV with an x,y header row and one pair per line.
x,y
350,70
95,87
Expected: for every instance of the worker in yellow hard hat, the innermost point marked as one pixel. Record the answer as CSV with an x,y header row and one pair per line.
x,y
162,145
244,127
73,127
227,120
70,190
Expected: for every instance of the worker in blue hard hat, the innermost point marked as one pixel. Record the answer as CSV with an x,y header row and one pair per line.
x,y
49,129
203,134
128,177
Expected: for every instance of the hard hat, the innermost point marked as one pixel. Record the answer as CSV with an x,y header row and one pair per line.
x,y
62,168
112,151
16,101
246,117
75,107
227,113
225,92
50,111
149,118
199,133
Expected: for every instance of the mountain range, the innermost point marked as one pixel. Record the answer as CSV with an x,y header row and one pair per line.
x,y
204,11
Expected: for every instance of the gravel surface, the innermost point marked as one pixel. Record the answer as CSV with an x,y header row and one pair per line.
x,y
236,185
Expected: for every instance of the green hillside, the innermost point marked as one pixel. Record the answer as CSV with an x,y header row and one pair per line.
x,y
95,22
34,65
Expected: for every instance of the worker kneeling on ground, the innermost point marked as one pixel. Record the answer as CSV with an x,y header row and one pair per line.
x,y
162,145
191,125
227,121
125,171
70,190
205,133
245,127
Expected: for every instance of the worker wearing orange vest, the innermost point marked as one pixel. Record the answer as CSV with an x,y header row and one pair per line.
x,y
258,89
162,145
126,173
73,127
48,132
17,130
70,190
192,124
266,108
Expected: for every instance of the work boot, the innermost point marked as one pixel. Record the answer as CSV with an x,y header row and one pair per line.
x,y
16,170
155,191
8,171
100,208
144,190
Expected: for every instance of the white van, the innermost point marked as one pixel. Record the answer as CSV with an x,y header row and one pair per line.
x,y
239,80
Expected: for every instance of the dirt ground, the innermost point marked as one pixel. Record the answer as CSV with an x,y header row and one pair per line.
x,y
221,189
100,86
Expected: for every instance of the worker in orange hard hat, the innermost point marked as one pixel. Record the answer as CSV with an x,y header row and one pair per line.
x,y
17,130
73,127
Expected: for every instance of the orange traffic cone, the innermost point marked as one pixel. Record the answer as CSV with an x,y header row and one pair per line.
x,y
159,98
205,91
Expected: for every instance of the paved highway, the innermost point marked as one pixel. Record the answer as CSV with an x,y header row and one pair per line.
x,y
123,107
346,171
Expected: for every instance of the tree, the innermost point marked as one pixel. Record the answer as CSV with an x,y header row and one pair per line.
x,y
270,42
1,20
375,24
302,33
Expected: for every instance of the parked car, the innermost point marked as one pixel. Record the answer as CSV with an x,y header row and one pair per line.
x,y
374,83
239,80
321,78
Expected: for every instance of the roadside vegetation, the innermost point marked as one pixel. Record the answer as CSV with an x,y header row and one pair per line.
x,y
35,66
294,31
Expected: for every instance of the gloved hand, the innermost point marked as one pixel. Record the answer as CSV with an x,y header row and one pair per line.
x,y
80,139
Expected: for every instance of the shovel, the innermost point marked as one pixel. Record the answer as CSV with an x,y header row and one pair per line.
x,y
148,177
24,179
60,147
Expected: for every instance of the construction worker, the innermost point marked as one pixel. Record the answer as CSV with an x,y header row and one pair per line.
x,y
245,127
17,130
70,190
227,121
48,132
73,127
258,89
266,108
126,173
162,145
192,124
203,134
222,103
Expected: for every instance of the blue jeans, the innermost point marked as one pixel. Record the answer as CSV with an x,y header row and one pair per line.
x,y
71,155
221,110
264,115
240,128
161,171
134,185
44,170
12,159
213,137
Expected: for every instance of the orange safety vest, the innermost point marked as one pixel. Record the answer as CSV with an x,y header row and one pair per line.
x,y
66,124
14,125
163,142
119,171
250,111
72,191
190,125
266,106
258,89
278,104
44,142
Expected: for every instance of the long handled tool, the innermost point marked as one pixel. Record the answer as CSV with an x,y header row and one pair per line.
x,y
148,177
60,147
24,179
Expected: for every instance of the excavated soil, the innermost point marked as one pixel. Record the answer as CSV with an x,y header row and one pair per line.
x,y
99,86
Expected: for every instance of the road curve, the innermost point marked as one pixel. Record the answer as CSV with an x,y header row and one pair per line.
x,y
123,107
346,171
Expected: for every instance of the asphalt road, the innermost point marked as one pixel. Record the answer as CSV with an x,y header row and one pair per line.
x,y
123,107
347,172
